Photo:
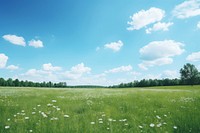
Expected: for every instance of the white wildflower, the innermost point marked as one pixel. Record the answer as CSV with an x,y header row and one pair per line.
x,y
33,113
54,118
66,116
26,118
109,119
92,123
44,115
15,115
175,127
159,125
38,105
126,124
54,101
49,104
140,126
158,117
100,122
30,131
7,127
152,125
57,109
8,119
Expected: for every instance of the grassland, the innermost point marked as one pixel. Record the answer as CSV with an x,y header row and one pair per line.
x,y
133,110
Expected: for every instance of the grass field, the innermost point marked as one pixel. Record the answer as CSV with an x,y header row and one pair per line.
x,y
134,110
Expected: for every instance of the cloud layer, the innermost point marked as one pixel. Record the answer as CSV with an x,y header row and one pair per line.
x,y
189,8
120,69
193,57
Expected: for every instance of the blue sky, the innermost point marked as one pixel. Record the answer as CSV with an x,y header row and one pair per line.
x,y
97,42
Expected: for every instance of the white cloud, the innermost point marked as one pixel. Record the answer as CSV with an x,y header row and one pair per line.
x,y
156,62
12,67
194,56
17,40
77,71
55,74
198,25
189,8
171,74
49,67
3,60
80,68
115,46
159,26
144,18
36,43
120,69
39,76
158,53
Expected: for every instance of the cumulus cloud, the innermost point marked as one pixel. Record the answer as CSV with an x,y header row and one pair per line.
x,y
159,26
3,60
77,71
17,40
115,46
49,67
80,68
189,8
120,69
158,53
194,56
144,18
12,67
39,76
36,43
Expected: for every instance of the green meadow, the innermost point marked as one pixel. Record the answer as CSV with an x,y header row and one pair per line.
x,y
130,110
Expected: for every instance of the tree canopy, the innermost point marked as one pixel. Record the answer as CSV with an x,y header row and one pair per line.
x,y
189,74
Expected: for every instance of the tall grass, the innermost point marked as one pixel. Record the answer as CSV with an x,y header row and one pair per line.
x,y
149,110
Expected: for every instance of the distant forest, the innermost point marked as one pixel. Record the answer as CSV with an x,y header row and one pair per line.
x,y
153,82
17,83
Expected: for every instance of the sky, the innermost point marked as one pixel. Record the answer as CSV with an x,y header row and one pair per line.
x,y
101,42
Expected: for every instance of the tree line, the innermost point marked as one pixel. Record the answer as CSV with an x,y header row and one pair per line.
x,y
18,83
189,75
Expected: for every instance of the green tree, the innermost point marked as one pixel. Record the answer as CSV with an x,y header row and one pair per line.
x,y
189,74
